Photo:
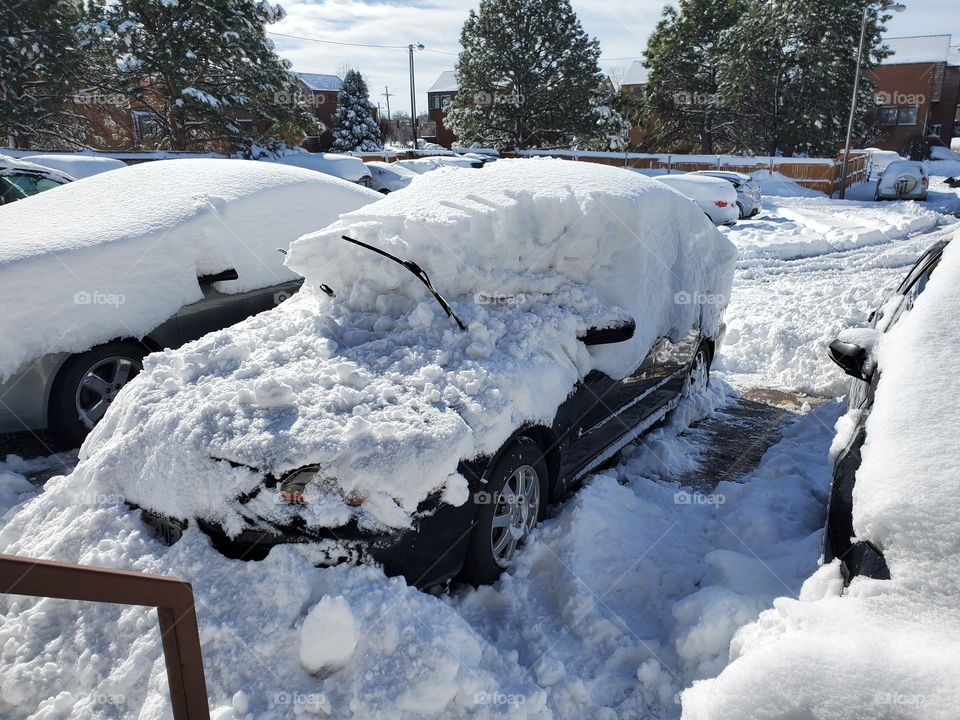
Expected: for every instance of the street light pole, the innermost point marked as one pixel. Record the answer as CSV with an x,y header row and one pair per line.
x,y
413,93
853,101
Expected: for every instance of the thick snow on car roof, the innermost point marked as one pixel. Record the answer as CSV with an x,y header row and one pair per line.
x,y
76,165
118,253
376,385
347,167
10,165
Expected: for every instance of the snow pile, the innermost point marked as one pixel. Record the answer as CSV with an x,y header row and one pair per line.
x,y
897,641
796,227
623,599
943,162
377,384
76,166
773,183
120,252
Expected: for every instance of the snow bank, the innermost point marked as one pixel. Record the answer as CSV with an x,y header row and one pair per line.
x,y
376,384
777,184
886,648
797,227
120,252
76,166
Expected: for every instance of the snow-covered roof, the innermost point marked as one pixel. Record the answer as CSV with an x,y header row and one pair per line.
x,y
321,82
953,56
917,49
121,251
636,74
447,82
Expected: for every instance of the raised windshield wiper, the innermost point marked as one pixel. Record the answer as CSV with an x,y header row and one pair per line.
x,y
418,272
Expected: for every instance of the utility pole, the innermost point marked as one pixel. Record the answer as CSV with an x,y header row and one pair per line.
x,y
388,95
413,94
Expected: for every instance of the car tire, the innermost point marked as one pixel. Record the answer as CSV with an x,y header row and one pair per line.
x,y
698,376
87,384
740,212
501,525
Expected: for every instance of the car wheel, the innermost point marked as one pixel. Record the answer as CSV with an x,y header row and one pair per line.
x,y
698,377
514,502
87,384
740,213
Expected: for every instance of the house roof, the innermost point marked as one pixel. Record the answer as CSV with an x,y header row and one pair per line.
x,y
447,82
319,81
636,74
917,49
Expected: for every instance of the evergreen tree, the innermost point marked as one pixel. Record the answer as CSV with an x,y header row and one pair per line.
x,y
204,68
683,55
527,76
609,130
38,59
354,127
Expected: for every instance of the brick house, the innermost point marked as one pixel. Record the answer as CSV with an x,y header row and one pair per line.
x,y
438,97
918,92
632,83
320,93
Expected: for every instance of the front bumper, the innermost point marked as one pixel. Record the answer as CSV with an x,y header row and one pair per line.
x,y
430,553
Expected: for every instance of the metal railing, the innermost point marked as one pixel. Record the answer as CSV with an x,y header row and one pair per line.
x,y
172,598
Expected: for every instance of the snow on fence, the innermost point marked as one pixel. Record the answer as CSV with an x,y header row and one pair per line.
x,y
821,174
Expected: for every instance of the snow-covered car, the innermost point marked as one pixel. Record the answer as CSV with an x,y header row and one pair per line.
x,y
128,262
459,357
435,162
77,166
855,351
20,179
716,198
389,177
346,167
903,180
749,198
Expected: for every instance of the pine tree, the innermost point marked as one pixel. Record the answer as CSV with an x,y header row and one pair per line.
x,y
609,131
683,55
527,76
38,60
204,68
354,127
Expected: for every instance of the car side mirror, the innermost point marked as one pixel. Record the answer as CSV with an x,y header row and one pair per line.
x,y
851,358
617,333
228,274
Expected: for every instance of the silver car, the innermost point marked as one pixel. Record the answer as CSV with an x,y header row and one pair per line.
x,y
749,199
64,368
903,180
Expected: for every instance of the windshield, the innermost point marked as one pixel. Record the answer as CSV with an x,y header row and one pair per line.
x,y
17,187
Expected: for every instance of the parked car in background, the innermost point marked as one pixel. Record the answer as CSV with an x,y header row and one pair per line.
x,y
20,179
389,177
855,352
749,199
346,167
717,198
435,162
903,180
76,165
132,261
436,383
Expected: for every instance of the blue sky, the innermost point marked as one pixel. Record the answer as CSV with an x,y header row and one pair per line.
x,y
622,26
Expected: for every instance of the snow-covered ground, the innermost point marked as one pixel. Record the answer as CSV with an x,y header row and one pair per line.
x,y
631,591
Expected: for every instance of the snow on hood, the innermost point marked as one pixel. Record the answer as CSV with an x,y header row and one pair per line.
x,y
377,386
120,252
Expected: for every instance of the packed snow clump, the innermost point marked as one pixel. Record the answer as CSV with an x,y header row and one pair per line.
x,y
118,253
375,384
882,648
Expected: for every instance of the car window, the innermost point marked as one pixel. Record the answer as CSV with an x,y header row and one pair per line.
x,y
913,292
30,184
10,191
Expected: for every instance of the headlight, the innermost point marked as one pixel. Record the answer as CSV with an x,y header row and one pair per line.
x,y
293,485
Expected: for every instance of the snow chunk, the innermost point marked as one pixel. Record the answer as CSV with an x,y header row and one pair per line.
x,y
329,635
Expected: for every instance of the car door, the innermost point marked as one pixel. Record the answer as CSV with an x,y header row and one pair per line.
x,y
219,310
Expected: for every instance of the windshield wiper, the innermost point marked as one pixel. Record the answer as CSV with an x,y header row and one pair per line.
x,y
418,272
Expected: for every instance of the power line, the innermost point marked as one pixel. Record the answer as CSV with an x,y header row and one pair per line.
x,y
350,44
